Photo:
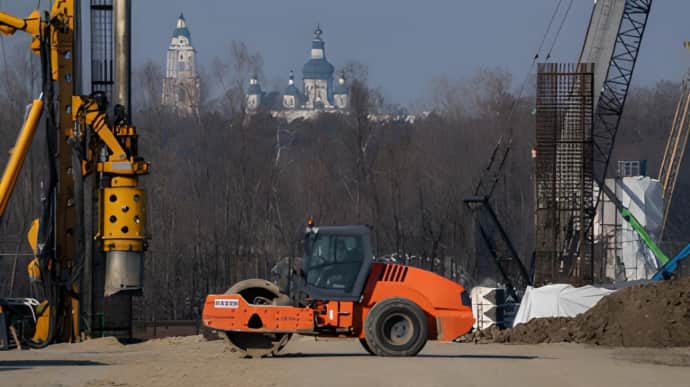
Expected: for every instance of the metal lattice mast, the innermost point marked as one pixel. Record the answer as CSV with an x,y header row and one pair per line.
x,y
491,230
611,102
609,108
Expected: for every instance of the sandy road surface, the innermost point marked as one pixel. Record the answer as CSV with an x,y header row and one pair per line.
x,y
193,362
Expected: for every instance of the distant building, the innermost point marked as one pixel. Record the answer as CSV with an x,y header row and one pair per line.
x,y
318,93
181,89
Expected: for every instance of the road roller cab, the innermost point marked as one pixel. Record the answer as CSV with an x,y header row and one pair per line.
x,y
341,290
336,262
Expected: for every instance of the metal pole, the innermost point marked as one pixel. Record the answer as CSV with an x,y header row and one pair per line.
x,y
14,275
122,16
78,46
121,305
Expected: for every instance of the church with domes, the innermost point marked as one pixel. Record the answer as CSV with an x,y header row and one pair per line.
x,y
319,92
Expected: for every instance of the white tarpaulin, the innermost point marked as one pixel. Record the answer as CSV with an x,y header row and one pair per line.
x,y
557,300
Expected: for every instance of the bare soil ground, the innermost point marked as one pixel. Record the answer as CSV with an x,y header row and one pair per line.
x,y
192,361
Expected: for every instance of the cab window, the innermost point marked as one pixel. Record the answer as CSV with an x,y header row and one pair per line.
x,y
334,261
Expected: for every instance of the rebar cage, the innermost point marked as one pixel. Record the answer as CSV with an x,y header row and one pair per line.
x,y
564,174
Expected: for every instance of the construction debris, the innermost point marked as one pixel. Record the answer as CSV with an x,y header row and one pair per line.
x,y
651,315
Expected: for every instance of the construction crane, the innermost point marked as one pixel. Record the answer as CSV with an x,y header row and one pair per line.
x,y
612,43
506,258
675,149
618,62
91,141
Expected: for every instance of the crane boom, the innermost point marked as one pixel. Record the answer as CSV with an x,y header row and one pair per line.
x,y
493,233
505,256
624,47
614,92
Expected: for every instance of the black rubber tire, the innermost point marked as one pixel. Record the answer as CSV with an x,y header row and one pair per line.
x,y
366,346
396,327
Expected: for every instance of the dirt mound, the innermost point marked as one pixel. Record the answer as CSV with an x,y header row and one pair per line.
x,y
541,330
650,315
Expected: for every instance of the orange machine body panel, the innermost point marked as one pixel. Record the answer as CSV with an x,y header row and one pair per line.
x,y
438,297
231,312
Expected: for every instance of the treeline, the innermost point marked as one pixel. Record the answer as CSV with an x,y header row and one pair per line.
x,y
229,193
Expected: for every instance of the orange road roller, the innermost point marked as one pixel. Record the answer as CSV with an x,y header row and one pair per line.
x,y
341,290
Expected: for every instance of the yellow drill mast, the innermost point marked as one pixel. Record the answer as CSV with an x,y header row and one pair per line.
x,y
87,141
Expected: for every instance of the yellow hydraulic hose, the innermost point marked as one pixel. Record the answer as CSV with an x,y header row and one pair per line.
x,y
18,154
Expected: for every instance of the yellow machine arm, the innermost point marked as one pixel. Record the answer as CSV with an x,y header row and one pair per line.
x,y
46,33
123,211
18,154
122,225
120,140
60,17
10,24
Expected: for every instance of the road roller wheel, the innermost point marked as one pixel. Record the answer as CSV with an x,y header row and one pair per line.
x,y
366,346
396,327
257,292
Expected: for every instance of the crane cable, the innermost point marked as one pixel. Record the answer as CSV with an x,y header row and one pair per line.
x,y
544,38
548,29
560,28
521,90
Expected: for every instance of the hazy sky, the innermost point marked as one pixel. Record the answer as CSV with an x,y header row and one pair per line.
x,y
405,43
